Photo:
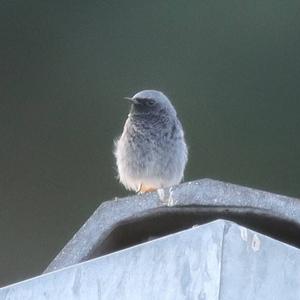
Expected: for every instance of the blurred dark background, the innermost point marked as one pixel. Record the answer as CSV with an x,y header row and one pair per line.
x,y
232,69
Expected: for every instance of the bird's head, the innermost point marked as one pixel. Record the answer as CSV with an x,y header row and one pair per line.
x,y
150,102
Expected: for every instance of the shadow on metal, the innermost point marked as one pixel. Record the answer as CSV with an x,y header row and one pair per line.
x,y
170,220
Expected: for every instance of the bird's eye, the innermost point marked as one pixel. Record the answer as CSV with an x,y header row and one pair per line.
x,y
150,102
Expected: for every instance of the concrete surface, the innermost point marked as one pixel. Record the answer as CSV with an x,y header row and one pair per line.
x,y
121,223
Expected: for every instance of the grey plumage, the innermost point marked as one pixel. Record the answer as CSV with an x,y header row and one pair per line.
x,y
151,152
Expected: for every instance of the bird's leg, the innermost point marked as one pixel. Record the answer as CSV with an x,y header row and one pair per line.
x,y
139,189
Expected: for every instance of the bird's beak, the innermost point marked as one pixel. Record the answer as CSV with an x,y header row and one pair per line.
x,y
131,100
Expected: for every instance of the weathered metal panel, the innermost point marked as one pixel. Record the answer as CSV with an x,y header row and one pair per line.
x,y
215,261
181,266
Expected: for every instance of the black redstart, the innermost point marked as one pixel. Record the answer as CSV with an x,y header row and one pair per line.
x,y
151,152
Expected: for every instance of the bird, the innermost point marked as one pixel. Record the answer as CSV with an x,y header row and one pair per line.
x,y
151,152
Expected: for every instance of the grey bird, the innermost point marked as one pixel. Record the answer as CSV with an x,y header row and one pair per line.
x,y
151,152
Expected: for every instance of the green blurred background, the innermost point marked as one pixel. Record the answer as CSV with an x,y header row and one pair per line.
x,y
232,69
